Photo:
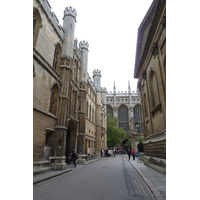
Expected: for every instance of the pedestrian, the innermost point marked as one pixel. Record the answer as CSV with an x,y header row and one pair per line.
x,y
129,153
133,153
109,152
101,152
138,155
106,152
74,157
114,151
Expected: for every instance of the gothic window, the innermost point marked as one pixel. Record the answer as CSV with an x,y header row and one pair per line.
x,y
54,99
109,110
36,24
123,118
138,118
90,112
56,58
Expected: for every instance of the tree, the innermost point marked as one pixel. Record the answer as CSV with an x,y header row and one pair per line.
x,y
115,135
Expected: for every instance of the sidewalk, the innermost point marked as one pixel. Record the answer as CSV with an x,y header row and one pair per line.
x,y
37,178
155,180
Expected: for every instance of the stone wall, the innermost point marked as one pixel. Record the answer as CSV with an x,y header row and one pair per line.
x,y
155,149
41,121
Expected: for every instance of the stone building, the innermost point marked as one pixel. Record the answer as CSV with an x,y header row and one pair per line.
x,y
126,106
68,107
150,69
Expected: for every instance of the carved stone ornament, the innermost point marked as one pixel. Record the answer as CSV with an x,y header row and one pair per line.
x,y
65,62
154,49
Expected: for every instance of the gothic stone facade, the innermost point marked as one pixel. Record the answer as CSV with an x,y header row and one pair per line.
x,y
150,69
126,106
67,105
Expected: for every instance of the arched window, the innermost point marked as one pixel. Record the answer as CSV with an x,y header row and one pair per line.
x,y
90,112
153,89
54,99
36,24
138,118
56,58
123,118
109,110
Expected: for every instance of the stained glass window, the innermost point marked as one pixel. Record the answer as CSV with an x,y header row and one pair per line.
x,y
109,110
123,118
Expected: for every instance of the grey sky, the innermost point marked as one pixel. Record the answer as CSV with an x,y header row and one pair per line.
x,y
110,27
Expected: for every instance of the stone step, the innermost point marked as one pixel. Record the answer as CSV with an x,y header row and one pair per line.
x,y
41,170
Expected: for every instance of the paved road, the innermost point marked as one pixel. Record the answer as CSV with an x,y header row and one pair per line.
x,y
111,178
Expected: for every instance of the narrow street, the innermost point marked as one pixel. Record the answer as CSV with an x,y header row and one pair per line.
x,y
110,178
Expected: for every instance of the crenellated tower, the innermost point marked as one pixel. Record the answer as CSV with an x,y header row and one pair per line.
x,y
97,79
84,49
69,21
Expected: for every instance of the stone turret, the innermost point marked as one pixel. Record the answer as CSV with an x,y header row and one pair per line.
x,y
69,21
84,48
97,79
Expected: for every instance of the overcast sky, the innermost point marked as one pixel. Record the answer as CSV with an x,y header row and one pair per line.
x,y
110,27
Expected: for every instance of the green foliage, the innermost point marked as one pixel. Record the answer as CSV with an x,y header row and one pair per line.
x,y
115,135
141,139
127,144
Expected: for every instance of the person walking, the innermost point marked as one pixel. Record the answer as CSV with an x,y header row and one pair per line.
x,y
138,155
74,157
129,153
109,152
114,151
133,153
102,152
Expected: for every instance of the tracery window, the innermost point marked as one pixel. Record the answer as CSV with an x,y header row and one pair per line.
x,y
123,118
56,58
109,110
36,24
138,118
